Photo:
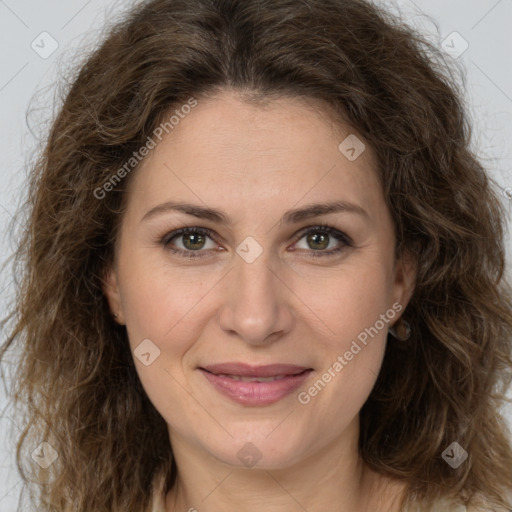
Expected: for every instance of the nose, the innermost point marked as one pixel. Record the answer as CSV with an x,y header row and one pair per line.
x,y
257,305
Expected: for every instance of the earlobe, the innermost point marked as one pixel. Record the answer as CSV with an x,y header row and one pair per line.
x,y
111,290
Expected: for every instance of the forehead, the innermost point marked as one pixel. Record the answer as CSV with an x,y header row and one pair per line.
x,y
228,151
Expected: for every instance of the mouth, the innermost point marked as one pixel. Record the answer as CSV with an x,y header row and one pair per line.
x,y
249,371
251,379
255,385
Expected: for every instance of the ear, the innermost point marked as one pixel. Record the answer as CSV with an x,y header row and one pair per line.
x,y
110,288
406,268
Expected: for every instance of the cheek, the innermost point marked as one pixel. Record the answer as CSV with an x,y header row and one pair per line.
x,y
162,306
169,306
152,297
352,355
352,314
345,302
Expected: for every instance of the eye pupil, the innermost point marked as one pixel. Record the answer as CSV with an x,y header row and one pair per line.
x,y
194,236
321,238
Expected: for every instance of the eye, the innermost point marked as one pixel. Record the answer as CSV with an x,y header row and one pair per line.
x,y
193,240
318,238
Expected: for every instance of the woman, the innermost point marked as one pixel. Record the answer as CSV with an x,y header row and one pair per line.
x,y
238,202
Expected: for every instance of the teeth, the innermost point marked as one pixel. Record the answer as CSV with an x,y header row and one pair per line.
x,y
253,379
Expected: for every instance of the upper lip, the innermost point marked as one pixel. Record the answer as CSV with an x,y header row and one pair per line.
x,y
247,370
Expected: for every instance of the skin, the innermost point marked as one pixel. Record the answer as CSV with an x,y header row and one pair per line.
x,y
255,163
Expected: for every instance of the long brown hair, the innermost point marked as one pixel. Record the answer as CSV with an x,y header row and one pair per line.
x,y
75,373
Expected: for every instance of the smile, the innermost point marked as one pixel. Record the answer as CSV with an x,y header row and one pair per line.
x,y
255,386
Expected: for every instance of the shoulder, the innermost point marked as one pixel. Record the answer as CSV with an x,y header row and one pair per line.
x,y
452,505
476,508
482,507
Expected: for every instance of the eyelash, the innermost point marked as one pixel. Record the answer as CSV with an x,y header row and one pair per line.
x,y
320,228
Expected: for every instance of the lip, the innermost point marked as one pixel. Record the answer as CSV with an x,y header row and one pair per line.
x,y
247,370
255,393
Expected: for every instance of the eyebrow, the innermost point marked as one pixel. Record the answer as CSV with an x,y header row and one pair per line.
x,y
290,217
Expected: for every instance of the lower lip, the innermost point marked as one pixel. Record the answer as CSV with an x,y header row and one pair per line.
x,y
256,393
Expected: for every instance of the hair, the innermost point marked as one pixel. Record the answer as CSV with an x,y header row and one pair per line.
x,y
75,374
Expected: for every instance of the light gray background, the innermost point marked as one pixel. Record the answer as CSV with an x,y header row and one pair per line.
x,y
484,25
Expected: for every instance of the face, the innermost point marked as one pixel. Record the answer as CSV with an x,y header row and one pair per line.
x,y
260,278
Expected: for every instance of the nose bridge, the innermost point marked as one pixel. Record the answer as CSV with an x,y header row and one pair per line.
x,y
255,306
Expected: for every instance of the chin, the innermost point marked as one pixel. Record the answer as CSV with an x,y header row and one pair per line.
x,y
259,451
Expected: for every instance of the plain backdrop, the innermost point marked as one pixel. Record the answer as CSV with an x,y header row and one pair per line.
x,y
39,39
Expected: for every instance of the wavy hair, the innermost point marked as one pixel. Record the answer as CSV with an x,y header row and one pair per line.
x,y
75,375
